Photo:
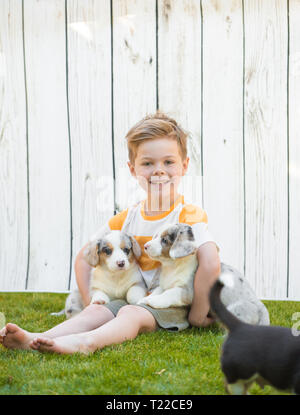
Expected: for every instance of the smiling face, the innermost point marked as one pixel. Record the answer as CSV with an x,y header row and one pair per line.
x,y
158,167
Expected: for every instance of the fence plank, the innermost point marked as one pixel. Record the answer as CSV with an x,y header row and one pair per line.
x,y
294,150
89,80
179,80
13,149
134,83
266,146
223,159
49,175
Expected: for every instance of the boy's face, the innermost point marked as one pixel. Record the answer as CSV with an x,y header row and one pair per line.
x,y
159,167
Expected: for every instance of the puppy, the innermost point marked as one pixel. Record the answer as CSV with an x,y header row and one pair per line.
x,y
116,274
253,353
73,305
175,247
241,300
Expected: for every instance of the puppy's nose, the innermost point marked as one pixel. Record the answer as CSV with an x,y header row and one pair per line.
x,y
121,263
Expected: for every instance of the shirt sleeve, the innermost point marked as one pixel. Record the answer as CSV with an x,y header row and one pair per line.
x,y
115,223
197,219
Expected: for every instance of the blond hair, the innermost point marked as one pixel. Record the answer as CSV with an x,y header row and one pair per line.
x,y
158,125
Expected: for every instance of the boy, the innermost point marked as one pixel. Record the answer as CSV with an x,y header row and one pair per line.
x,y
157,159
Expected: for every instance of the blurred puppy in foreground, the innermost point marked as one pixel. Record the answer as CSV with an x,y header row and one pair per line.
x,y
268,355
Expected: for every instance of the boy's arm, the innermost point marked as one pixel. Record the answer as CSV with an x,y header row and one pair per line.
x,y
83,273
207,273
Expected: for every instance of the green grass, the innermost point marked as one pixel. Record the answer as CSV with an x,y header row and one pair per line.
x,y
154,363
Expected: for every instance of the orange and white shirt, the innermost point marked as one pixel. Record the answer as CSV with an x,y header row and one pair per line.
x,y
134,221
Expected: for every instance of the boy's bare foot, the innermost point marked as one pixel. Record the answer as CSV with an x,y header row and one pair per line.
x,y
70,344
13,337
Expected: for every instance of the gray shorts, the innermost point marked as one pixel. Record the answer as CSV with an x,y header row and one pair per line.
x,y
173,318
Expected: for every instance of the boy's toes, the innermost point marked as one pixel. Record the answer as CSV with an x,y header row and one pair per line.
x,y
11,328
45,342
34,344
38,343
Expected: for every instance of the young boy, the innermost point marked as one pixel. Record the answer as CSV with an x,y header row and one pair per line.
x,y
157,159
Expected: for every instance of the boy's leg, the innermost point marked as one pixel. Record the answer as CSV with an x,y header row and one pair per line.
x,y
93,316
129,322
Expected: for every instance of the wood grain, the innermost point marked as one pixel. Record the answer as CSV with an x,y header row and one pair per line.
x,y
90,89
83,79
179,80
48,164
266,146
13,151
223,158
294,151
134,83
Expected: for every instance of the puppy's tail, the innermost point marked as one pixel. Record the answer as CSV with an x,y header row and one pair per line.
x,y
60,313
225,316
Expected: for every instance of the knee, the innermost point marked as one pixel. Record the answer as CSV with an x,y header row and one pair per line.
x,y
141,318
129,310
95,309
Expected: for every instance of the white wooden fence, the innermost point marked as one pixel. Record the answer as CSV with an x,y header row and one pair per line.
x,y
75,75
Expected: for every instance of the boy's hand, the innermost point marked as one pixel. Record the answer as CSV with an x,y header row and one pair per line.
x,y
208,271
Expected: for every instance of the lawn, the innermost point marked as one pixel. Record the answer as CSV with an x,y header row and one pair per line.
x,y
153,364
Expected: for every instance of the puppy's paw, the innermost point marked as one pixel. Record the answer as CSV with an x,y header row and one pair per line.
x,y
157,302
98,299
143,300
98,302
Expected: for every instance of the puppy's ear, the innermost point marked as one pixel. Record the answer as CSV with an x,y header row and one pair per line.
x,y
184,243
135,247
137,252
91,254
